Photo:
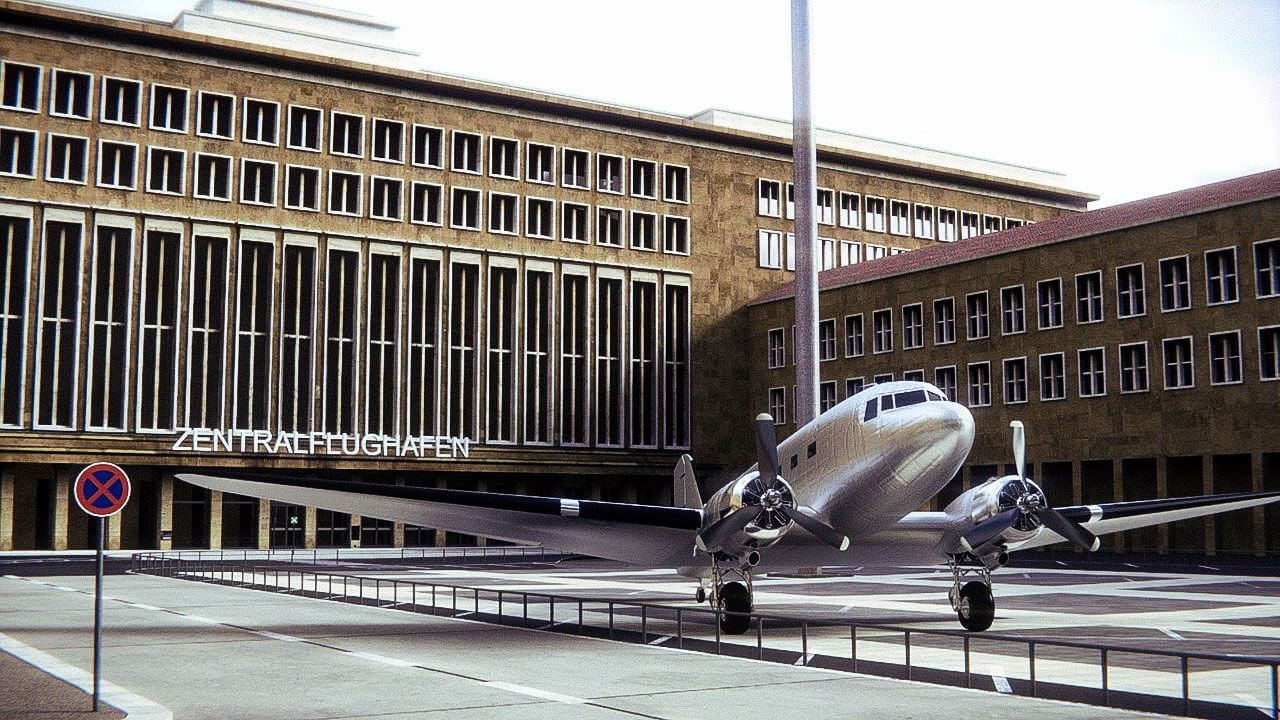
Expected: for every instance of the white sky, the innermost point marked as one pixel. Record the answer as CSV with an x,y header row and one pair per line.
x,y
1129,98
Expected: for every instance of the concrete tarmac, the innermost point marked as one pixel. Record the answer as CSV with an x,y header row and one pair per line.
x,y
207,651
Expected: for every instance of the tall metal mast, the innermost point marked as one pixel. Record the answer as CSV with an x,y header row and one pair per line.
x,y
804,161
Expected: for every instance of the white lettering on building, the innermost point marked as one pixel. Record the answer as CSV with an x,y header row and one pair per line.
x,y
212,440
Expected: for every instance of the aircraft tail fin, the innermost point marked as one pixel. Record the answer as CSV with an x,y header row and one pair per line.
x,y
685,493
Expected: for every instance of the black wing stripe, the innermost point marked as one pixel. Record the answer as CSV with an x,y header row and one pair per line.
x,y
1113,511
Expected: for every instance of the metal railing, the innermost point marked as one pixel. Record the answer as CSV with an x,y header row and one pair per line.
x,y
316,556
698,628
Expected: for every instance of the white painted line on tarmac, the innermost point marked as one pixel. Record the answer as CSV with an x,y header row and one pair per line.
x,y
804,660
1254,703
1209,567
998,677
141,606
276,636
660,640
1171,633
63,588
535,692
846,608
383,659
198,618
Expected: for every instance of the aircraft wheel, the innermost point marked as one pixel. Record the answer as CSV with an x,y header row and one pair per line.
x,y
700,595
977,606
734,598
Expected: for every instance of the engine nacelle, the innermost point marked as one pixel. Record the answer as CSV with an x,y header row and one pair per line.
x,y
764,530
996,496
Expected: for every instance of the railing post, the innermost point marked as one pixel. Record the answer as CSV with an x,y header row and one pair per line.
x,y
719,618
551,617
968,674
760,638
906,646
1186,686
680,628
499,607
1106,691
644,624
579,617
524,597
804,643
1031,660
610,619
853,646
1275,691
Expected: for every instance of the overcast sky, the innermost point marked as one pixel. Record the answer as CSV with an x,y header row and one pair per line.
x,y
1128,98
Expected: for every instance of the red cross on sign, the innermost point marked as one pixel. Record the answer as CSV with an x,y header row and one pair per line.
x,y
102,489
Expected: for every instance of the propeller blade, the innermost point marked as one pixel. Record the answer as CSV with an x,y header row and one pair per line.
x,y
1019,447
767,442
809,520
713,537
987,530
1068,529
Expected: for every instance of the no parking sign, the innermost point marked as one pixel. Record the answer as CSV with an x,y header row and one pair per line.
x,y
102,489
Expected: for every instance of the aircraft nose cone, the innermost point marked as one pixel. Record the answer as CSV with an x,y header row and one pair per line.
x,y
950,428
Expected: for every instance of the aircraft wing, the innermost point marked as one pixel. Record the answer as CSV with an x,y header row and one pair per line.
x,y
656,536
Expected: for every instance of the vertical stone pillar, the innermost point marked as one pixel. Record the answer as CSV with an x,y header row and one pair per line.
x,y
1077,485
114,525
165,537
264,524
355,522
1259,513
397,528
215,519
482,485
1162,491
1117,494
629,493
61,499
440,538
1210,525
6,509
309,529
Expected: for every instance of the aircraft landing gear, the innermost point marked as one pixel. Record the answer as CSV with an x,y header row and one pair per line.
x,y
973,602
732,595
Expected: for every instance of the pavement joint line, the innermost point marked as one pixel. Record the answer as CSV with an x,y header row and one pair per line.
x,y
1171,634
535,692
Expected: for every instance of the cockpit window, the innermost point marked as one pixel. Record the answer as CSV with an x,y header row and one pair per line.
x,y
910,397
936,396
872,406
892,401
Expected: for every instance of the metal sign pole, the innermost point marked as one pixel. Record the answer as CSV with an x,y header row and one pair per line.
x,y
804,161
97,615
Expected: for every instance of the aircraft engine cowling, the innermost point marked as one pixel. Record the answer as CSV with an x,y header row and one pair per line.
x,y
767,525
1000,495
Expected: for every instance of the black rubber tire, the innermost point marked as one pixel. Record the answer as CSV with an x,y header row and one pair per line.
x,y
700,594
979,607
734,598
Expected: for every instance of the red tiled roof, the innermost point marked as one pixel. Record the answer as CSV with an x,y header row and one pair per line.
x,y
1236,191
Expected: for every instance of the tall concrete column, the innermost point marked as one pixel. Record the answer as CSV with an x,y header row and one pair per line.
x,y
6,509
215,519
114,525
1259,513
1162,491
482,485
165,536
1210,526
1077,484
397,528
264,524
309,529
61,497
354,522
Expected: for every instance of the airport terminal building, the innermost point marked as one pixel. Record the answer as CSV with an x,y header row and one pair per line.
x,y
305,257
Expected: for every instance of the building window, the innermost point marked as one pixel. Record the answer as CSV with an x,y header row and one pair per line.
x,y
428,146
882,324
427,205
504,158
913,376
116,164
791,252
1175,284
504,214
206,341
828,249
70,94
109,332
386,198
853,337
464,329
675,183
166,171
778,405
979,384
1224,358
608,381
912,326
944,321
345,192
1266,263
382,335
424,303
575,167
968,225
768,197
644,178
15,238
827,397
539,370
777,348
924,222
946,224
1179,367
608,226
850,210
217,113
1269,353
1013,319
346,134
56,345
253,336
257,182
827,340
899,217
464,208
1089,297
260,121
168,108
305,128
297,337
1015,381
675,234
1220,276
17,152
213,177
1093,372
676,375
341,318
976,307
576,227
540,163
1131,291
67,159
388,141
790,191
850,253
643,396
609,173
991,224
770,250
853,386
945,379
540,218
1010,223
302,188
1053,374
875,214
574,324
120,101
644,231
1133,368
883,378
1049,299
21,85
826,206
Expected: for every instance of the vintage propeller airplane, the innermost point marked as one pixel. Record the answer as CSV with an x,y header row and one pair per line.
x,y
854,477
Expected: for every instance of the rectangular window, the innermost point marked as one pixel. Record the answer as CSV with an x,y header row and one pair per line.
x,y
297,337
1053,374
1093,372
853,337
827,340
108,362
70,94
345,192
386,198
17,152
1179,366
978,321
341,314
875,214
1220,276
67,159
979,384
21,85
924,222
675,183
828,246
575,168
166,171
882,323
1049,299
121,101
257,182
790,191
609,381
968,225
388,141
424,303
1175,284
576,227
574,336
306,127
777,348
1013,319
609,173
912,326
643,397
206,341
464,344
676,359
213,177
1015,381
913,375
540,163
1131,291
991,224
850,253
346,134
1010,223
882,378
504,213
168,108
540,218
1266,264
15,238
1089,297
464,208
56,345
899,217
428,146
946,224
1133,368
850,210
253,336
1225,365
608,226
538,361
261,121
944,321
382,345
117,164
945,379
675,235
1269,353
778,405
853,386
216,115
826,207
769,198
644,231
644,178
427,204
504,158
302,188
770,250
827,397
